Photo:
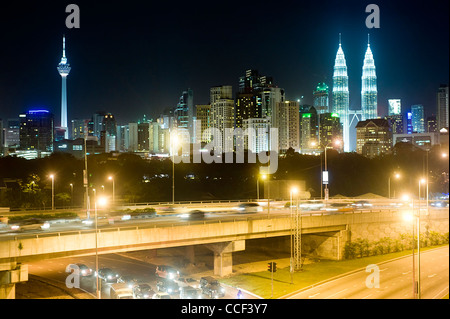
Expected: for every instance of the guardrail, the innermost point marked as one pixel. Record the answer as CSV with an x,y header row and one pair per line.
x,y
206,221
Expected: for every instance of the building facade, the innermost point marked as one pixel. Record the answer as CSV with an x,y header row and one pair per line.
x,y
373,137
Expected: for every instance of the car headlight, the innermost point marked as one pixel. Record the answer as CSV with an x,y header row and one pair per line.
x,y
169,290
109,276
222,289
83,272
145,296
15,227
126,217
46,225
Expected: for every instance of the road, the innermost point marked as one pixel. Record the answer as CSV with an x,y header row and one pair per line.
x,y
395,280
54,269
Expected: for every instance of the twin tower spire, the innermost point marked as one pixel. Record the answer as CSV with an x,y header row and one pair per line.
x,y
341,92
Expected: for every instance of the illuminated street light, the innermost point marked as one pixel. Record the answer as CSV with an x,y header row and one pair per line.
x,y
174,143
53,191
397,176
336,143
71,193
111,178
263,177
102,201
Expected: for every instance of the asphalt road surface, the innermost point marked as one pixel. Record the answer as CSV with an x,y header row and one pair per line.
x,y
395,280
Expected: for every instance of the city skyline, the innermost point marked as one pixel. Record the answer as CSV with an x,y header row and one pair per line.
x,y
121,86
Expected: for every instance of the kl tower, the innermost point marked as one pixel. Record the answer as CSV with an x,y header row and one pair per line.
x,y
64,70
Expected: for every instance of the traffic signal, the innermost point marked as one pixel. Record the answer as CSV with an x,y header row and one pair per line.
x,y
272,266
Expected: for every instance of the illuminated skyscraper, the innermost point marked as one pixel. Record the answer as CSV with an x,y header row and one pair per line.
x,y
320,96
418,118
442,107
341,94
64,70
369,87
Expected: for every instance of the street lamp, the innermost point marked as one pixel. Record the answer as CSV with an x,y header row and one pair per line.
x,y
397,176
263,177
325,172
409,217
102,202
53,191
293,191
421,181
111,178
174,143
71,193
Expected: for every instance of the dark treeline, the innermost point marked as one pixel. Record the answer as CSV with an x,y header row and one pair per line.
x,y
26,183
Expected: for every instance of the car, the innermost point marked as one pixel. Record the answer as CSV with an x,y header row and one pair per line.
x,y
167,285
194,214
189,292
311,205
85,270
362,204
107,275
161,295
30,224
249,208
211,287
142,291
187,282
120,291
131,281
164,271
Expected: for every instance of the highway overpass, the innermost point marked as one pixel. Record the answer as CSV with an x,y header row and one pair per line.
x,y
324,235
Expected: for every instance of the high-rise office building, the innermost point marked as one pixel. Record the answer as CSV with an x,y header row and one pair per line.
x,y
12,133
341,94
320,98
330,130
442,107
184,113
257,139
409,126
395,107
431,124
288,124
203,122
308,129
418,118
64,70
253,81
369,87
222,117
36,131
374,137
97,119
395,116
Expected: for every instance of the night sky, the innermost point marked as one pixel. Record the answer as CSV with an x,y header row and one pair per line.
x,y
132,58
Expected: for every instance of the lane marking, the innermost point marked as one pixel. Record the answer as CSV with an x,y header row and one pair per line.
x,y
336,293
312,296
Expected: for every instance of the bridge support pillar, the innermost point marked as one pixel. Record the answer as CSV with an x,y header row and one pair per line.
x,y
223,256
10,274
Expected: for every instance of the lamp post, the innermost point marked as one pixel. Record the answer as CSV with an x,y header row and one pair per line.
x,y
71,193
263,176
102,201
53,191
397,176
409,217
174,142
111,178
421,181
293,191
325,147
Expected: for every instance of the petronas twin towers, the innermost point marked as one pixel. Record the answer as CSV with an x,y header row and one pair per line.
x,y
341,93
